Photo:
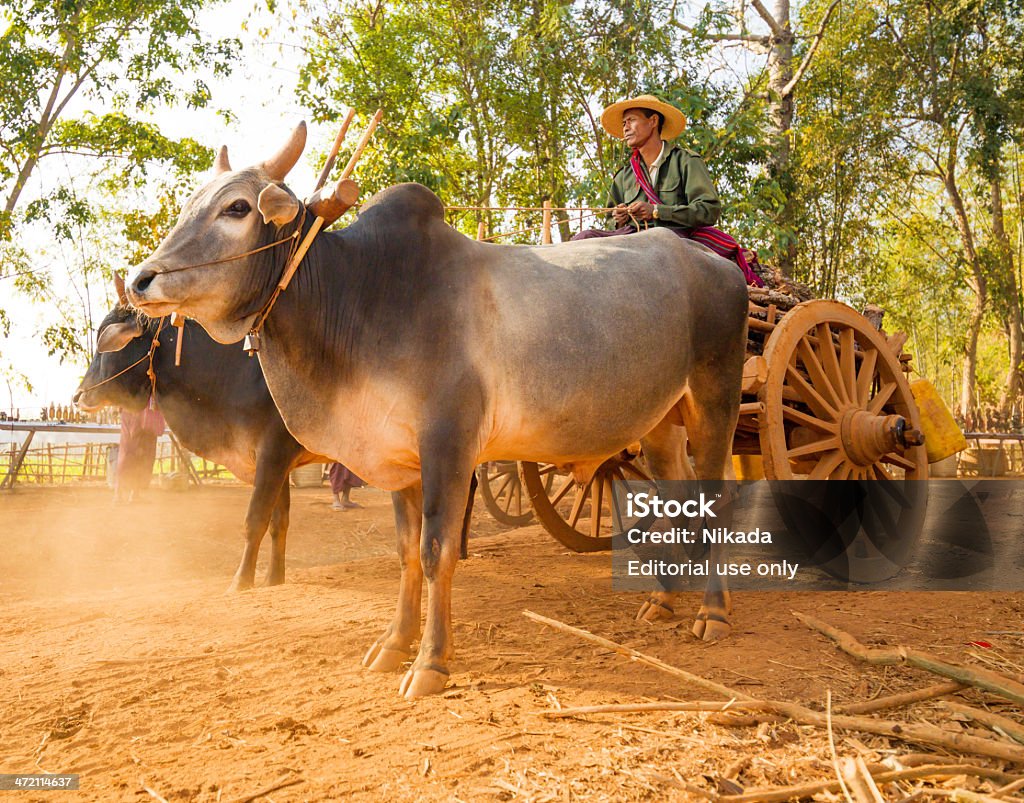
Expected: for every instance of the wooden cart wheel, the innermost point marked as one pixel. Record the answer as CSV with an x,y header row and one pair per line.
x,y
837,406
502,491
582,518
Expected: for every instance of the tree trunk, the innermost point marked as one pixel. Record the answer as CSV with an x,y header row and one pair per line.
x,y
1014,316
976,282
780,115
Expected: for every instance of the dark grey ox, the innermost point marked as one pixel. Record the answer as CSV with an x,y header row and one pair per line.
x,y
412,353
217,404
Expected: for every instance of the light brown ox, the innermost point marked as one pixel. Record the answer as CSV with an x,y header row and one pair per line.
x,y
412,353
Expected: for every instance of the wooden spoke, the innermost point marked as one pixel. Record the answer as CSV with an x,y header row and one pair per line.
x,y
504,486
848,363
811,397
865,376
563,490
881,473
577,505
636,471
613,503
798,417
899,460
596,497
881,398
830,362
827,465
826,444
843,472
819,380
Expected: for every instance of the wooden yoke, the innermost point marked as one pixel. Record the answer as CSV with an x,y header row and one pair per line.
x,y
333,203
332,206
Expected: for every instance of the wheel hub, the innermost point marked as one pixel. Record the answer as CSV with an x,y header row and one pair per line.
x,y
867,437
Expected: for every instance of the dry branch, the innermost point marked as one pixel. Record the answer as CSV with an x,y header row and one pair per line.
x,y
971,676
281,783
1004,725
922,734
933,772
900,700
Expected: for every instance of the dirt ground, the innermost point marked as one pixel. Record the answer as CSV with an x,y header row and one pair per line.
x,y
122,659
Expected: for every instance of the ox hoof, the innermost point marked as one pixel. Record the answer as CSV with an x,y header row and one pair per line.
x,y
383,659
422,682
275,579
239,584
711,629
654,611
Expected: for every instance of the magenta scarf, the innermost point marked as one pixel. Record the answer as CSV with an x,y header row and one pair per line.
x,y
717,240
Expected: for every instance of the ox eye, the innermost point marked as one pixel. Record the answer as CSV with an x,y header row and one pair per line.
x,y
239,208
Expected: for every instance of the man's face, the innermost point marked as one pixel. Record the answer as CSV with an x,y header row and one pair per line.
x,y
638,128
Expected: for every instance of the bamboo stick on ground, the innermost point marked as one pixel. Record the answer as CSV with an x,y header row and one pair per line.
x,y
888,656
639,657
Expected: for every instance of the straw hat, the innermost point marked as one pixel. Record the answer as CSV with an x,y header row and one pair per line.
x,y
675,122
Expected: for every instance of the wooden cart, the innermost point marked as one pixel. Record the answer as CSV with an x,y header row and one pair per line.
x,y
825,396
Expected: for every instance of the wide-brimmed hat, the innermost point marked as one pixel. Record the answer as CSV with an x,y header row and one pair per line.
x,y
675,122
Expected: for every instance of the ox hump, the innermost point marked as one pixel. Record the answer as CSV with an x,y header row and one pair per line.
x,y
408,201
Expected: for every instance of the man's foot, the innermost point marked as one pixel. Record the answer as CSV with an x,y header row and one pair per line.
x,y
337,506
350,503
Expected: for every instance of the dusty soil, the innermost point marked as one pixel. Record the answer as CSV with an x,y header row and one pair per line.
x,y
122,659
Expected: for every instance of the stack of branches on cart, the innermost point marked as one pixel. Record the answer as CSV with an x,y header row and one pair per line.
x,y
1000,745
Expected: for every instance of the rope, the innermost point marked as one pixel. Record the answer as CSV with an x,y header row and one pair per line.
x,y
153,346
294,236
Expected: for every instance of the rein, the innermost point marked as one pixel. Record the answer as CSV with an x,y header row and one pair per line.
x,y
150,371
292,236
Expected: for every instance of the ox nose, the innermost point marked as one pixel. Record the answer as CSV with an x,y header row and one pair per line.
x,y
143,281
76,397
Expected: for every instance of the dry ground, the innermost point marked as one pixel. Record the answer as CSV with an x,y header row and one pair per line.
x,y
122,659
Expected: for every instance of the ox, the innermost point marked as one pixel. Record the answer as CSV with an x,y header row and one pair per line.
x,y
412,353
217,404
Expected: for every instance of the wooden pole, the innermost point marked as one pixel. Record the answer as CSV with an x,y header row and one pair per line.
x,y
12,472
361,146
546,231
333,155
481,230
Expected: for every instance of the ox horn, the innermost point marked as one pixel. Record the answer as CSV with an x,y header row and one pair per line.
x,y
122,297
222,165
278,165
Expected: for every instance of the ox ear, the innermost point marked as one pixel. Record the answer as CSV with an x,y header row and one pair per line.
x,y
278,165
222,165
118,335
277,205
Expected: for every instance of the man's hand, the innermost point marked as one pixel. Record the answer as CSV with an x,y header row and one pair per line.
x,y
641,210
620,214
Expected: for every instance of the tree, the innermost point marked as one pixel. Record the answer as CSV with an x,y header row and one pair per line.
x,y
780,45
120,52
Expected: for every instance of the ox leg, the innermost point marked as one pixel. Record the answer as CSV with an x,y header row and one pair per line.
x,y
665,451
279,536
444,493
394,648
710,417
271,475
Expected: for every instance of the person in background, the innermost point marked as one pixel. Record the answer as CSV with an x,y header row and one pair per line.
x,y
137,451
342,483
662,184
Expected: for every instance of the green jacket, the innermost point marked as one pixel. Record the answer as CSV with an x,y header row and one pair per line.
x,y
687,193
